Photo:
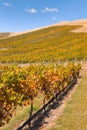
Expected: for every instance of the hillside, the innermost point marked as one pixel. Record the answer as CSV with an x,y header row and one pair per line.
x,y
52,43
82,22
4,35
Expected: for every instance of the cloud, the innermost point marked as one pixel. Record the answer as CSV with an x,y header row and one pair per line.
x,y
32,10
46,9
54,18
7,4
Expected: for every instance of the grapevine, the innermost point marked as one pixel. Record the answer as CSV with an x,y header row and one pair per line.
x,y
20,85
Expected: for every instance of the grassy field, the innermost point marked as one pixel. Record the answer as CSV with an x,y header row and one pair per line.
x,y
53,43
75,113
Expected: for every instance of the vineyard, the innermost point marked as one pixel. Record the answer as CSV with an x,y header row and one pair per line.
x,y
20,85
49,44
47,74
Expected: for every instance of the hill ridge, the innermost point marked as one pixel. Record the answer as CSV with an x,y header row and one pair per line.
x,y
75,22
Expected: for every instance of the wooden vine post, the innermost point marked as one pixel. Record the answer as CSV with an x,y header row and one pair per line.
x,y
31,111
44,101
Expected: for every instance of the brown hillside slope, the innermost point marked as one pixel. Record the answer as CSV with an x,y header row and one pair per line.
x,y
82,22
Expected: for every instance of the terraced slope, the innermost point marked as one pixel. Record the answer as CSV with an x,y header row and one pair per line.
x,y
52,43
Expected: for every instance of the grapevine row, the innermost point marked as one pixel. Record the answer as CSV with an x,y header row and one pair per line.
x,y
53,43
20,85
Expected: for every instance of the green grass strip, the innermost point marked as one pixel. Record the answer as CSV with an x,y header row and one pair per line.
x,y
75,113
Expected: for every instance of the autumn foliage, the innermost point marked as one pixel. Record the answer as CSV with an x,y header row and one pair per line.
x,y
20,85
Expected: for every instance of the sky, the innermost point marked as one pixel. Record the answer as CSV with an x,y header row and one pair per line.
x,y
22,15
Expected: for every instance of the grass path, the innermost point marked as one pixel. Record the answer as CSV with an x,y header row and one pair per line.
x,y
72,113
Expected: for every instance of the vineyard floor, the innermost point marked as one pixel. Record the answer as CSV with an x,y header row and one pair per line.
x,y
72,113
